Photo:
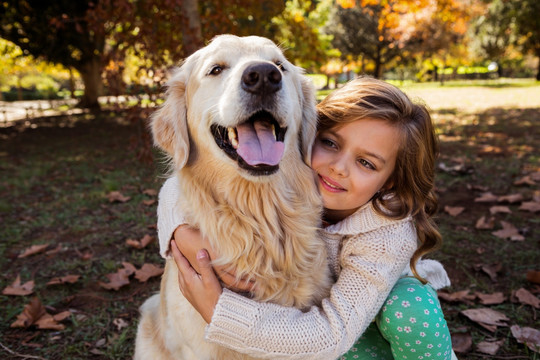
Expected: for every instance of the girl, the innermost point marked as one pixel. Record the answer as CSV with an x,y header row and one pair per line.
x,y
374,159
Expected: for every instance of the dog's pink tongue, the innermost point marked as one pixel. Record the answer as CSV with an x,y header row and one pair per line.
x,y
257,144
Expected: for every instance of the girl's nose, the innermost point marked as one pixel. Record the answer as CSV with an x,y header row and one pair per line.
x,y
339,166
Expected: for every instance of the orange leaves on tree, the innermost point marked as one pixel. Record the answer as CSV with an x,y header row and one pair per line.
x,y
19,289
34,313
346,4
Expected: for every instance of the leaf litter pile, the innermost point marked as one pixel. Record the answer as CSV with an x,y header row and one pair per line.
x,y
80,253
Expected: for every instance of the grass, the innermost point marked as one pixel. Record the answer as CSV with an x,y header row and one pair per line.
x,y
56,173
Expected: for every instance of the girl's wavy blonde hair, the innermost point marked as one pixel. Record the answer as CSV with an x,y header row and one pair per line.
x,y
410,188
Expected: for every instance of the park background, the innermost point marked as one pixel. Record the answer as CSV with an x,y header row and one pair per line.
x,y
79,176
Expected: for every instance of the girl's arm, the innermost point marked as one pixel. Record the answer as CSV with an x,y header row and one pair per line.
x,y
369,268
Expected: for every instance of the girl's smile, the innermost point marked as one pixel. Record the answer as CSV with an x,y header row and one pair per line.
x,y
352,163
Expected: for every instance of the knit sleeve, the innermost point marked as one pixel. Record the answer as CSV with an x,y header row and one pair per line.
x,y
371,264
169,214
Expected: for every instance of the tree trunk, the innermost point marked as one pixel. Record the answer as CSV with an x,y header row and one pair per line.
x,y
191,26
91,75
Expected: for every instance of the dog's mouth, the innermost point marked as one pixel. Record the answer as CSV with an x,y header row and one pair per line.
x,y
256,144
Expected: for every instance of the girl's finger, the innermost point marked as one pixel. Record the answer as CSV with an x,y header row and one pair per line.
x,y
184,267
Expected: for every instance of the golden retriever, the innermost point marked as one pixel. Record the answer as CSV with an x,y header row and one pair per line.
x,y
238,123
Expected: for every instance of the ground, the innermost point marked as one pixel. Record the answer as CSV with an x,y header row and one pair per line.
x,y
57,173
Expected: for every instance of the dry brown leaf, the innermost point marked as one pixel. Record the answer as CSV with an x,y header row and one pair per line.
x,y
149,202
68,279
491,299
116,281
535,176
19,289
140,244
526,297
454,211
120,323
461,342
489,347
526,180
533,276
527,336
512,198
458,296
486,197
484,223
47,322
499,209
531,206
486,317
117,196
492,270
150,192
147,271
508,231
32,312
32,250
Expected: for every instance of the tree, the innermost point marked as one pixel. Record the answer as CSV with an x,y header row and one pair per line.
x,y
60,32
528,26
371,28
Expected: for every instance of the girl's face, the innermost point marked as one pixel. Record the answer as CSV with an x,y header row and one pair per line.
x,y
352,163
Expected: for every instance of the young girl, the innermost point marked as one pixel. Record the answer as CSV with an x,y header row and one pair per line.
x,y
374,159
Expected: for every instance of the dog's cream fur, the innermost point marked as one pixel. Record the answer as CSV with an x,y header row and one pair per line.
x,y
264,226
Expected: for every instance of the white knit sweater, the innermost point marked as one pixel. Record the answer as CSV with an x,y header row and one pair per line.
x,y
367,254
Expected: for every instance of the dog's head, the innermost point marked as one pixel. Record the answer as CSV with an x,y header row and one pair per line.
x,y
241,102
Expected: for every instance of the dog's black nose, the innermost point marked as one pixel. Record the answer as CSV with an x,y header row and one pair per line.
x,y
261,79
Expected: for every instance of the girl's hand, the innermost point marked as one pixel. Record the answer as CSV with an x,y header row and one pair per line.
x,y
201,290
189,241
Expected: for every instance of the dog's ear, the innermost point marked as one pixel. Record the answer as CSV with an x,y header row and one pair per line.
x,y
308,129
169,123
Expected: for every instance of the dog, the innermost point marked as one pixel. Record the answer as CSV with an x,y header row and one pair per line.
x,y
238,123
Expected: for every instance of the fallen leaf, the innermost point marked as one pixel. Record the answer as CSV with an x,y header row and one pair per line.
x,y
19,290
140,244
486,317
117,196
32,250
486,197
533,276
477,187
147,271
491,299
527,336
535,176
458,296
508,232
512,198
492,270
119,278
64,280
531,206
489,347
54,251
499,209
34,313
526,180
525,297
150,192
461,342
120,323
484,223
149,202
454,211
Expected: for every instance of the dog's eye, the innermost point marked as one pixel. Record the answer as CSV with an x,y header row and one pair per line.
x,y
279,64
216,70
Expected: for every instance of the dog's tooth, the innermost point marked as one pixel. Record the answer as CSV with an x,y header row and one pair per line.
x,y
274,131
232,137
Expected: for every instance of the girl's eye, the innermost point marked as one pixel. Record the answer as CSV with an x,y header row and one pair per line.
x,y
216,70
328,143
279,64
366,164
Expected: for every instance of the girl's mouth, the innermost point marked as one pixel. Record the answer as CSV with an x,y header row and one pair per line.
x,y
330,185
